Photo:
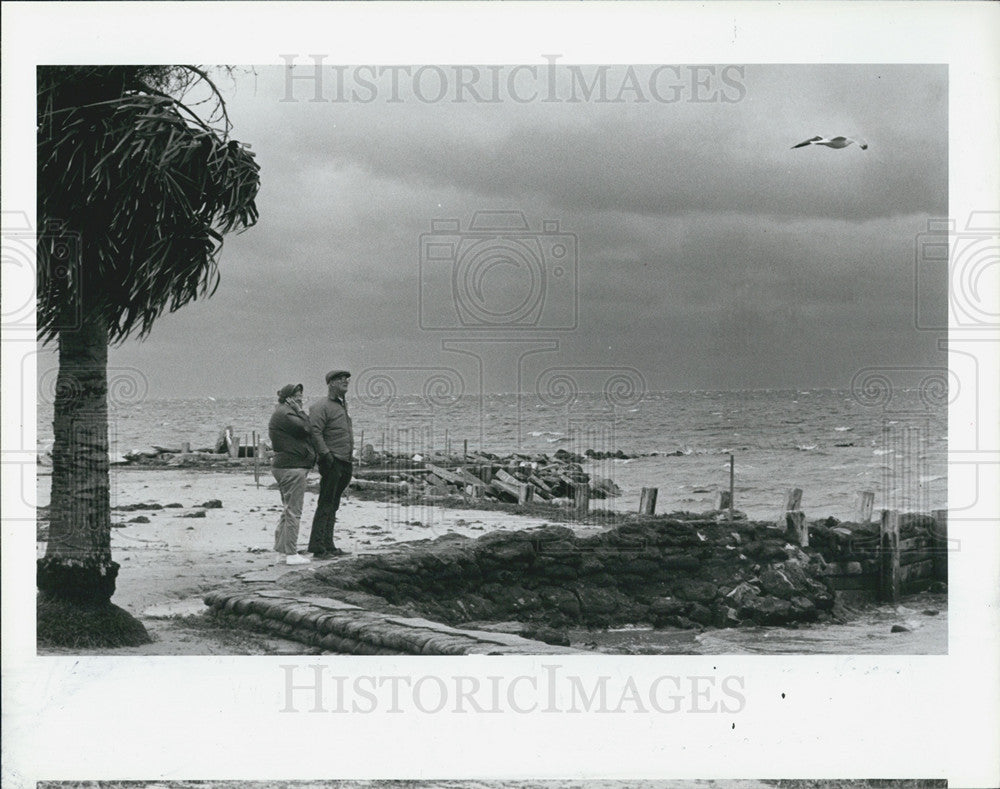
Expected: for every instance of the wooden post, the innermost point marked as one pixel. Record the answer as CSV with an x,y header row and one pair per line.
x,y
798,529
867,505
732,487
187,447
793,503
465,447
525,493
647,501
581,497
447,443
722,501
361,449
889,556
256,460
940,545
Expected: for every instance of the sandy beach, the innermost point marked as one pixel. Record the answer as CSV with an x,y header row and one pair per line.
x,y
169,563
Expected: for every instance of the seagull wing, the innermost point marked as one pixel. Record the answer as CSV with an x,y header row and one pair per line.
x,y
810,141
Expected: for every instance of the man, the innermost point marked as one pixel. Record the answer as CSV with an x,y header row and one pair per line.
x,y
294,454
332,431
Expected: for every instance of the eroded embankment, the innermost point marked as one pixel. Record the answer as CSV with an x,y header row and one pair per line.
x,y
666,572
657,571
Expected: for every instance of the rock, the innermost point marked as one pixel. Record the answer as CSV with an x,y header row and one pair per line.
x,y
212,504
547,635
900,629
776,582
742,594
174,505
562,600
138,519
701,614
597,602
767,611
133,507
804,608
796,554
766,550
930,612
606,486
662,608
696,591
195,514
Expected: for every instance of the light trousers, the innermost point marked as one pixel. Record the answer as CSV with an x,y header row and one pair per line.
x,y
292,484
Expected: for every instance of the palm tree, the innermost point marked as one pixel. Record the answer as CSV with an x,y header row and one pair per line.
x,y
135,191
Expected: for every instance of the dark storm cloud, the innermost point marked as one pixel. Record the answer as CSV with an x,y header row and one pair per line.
x,y
710,252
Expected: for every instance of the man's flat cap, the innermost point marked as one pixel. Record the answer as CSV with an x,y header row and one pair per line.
x,y
337,374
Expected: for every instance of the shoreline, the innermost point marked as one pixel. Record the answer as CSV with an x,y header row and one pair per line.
x,y
171,557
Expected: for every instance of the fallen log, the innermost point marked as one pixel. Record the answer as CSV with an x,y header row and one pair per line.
x,y
372,484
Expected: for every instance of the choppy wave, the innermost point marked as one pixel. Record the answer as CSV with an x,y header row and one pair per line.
x,y
777,443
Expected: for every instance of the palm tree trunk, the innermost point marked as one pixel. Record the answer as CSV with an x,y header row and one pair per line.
x,y
76,578
77,563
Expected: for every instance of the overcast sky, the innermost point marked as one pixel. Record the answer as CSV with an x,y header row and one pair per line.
x,y
693,244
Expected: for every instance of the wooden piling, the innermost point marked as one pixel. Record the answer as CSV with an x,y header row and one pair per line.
x,y
732,486
465,447
525,493
187,447
940,545
361,449
889,556
581,497
256,460
867,505
793,504
723,500
647,501
797,528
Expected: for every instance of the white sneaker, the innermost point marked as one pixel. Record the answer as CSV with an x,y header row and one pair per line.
x,y
294,558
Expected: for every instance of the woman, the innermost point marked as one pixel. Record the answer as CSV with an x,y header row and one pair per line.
x,y
294,454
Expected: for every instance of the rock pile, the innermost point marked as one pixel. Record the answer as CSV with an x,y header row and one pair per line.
x,y
659,571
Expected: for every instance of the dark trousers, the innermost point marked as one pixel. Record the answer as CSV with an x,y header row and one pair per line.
x,y
332,482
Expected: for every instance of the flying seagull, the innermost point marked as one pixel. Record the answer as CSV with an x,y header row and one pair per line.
x,y
831,142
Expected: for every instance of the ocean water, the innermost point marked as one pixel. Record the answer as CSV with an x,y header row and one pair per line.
x,y
830,443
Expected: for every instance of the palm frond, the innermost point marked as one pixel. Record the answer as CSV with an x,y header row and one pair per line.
x,y
146,190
